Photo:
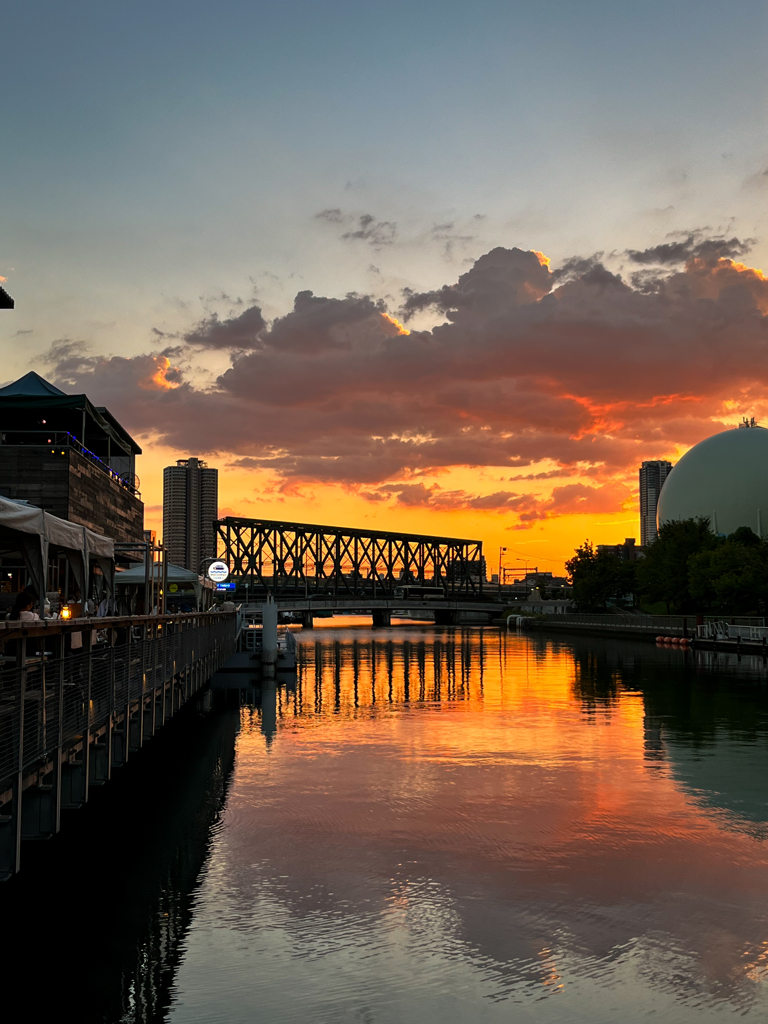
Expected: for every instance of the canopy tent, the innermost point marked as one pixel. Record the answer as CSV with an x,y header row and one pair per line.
x,y
176,575
36,532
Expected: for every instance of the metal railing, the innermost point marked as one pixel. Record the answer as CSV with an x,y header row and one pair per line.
x,y
662,624
68,716
721,630
54,439
628,621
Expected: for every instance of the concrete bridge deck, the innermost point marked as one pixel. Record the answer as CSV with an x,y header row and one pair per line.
x,y
447,612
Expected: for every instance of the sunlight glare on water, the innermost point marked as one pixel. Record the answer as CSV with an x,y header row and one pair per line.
x,y
466,826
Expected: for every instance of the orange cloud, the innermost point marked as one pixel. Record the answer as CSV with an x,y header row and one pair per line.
x,y
395,323
165,377
573,371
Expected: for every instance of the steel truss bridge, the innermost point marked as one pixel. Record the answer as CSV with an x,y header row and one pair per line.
x,y
299,559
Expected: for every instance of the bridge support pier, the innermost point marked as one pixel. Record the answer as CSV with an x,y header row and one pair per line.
x,y
382,617
269,636
445,617
307,620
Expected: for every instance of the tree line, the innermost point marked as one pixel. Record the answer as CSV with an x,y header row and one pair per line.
x,y
686,569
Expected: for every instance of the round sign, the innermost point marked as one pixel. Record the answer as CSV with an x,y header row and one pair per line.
x,y
218,571
173,588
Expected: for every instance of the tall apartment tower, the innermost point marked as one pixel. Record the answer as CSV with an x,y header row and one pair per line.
x,y
190,509
652,477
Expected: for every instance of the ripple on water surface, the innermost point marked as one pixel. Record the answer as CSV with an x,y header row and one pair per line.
x,y
466,826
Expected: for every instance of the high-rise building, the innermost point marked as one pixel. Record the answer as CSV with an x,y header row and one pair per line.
x,y
652,477
190,510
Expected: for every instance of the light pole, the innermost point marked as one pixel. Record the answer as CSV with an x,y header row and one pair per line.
x,y
501,552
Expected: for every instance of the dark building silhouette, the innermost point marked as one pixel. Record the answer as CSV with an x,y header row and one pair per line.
x,y
652,477
190,510
69,457
6,302
626,552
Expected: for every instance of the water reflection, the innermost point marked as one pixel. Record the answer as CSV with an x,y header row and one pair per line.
x,y
98,915
425,825
444,824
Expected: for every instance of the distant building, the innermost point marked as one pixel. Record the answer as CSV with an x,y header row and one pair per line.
x,y
652,477
67,456
472,568
626,552
535,603
190,511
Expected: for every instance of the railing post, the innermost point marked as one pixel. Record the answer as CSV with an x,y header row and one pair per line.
x,y
111,706
87,650
127,713
14,861
155,682
59,647
142,696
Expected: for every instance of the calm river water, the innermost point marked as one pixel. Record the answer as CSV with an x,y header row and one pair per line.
x,y
429,826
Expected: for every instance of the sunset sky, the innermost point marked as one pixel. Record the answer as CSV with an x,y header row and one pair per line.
x,y
450,268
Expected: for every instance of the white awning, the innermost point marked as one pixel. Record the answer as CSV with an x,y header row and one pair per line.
x,y
39,530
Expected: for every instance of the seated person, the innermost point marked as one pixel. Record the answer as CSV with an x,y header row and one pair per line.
x,y
22,607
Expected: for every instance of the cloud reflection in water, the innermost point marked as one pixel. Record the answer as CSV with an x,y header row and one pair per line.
x,y
445,824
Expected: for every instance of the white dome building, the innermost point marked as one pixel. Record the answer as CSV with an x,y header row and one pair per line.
x,y
724,478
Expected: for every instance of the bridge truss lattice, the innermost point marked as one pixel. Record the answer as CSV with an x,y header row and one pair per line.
x,y
299,558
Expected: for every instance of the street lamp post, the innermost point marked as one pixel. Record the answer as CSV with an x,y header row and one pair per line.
x,y
501,552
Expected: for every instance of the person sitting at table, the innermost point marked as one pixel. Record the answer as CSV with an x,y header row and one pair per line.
x,y
22,607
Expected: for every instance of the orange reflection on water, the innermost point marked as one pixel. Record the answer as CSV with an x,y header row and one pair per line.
x,y
529,789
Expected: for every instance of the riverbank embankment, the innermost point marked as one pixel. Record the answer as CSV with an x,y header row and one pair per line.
x,y
643,627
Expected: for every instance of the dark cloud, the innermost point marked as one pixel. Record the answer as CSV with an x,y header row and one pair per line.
x,y
692,246
576,266
361,227
333,216
376,232
499,278
450,237
240,332
583,369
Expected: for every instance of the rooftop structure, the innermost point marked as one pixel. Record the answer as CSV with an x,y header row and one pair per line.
x,y
69,457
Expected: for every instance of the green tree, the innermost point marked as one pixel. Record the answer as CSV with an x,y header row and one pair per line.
x,y
663,574
733,577
597,578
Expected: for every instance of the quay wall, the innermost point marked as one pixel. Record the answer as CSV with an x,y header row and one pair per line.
x,y
643,627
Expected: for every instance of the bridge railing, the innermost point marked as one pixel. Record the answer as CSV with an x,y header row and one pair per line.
x,y
77,697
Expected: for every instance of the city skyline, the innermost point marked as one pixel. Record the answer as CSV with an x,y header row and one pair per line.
x,y
228,249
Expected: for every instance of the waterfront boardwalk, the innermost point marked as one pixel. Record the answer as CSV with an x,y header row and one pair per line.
x,y
70,715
